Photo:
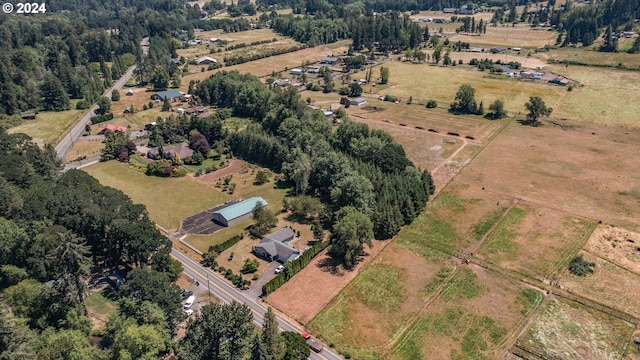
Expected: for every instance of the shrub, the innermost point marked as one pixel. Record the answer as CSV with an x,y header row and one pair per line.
x,y
432,104
580,267
82,105
101,118
391,98
225,245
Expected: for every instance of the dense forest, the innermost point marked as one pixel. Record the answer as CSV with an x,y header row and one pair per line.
x,y
57,229
356,171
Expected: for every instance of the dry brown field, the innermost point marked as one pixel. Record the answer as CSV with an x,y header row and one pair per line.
x,y
616,245
584,170
519,36
567,330
266,66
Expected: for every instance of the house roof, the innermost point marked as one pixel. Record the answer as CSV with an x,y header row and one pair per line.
x,y
278,249
169,94
281,235
112,127
206,59
241,208
181,149
358,100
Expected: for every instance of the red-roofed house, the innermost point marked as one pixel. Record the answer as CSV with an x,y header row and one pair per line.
x,y
110,127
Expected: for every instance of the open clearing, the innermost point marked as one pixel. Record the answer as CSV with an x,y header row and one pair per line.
x,y
534,241
278,63
49,126
603,98
302,297
609,284
588,170
592,57
519,36
428,82
86,148
567,330
380,300
168,200
476,314
616,245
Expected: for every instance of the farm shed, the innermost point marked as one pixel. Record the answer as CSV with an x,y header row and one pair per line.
x,y
238,212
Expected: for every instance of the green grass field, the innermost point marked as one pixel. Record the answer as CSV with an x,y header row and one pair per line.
x,y
168,200
101,303
49,126
425,82
500,241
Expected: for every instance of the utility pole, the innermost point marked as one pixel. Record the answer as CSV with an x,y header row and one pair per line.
x,y
208,286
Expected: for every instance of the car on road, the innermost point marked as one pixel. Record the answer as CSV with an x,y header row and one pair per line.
x,y
314,344
279,269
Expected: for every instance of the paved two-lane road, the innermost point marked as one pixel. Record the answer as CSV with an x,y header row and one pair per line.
x,y
227,293
67,141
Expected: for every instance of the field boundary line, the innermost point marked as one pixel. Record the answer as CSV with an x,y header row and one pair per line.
x,y
609,261
528,322
514,202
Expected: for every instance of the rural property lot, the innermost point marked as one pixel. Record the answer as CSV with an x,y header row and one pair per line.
x,y
393,288
535,241
588,170
474,316
567,330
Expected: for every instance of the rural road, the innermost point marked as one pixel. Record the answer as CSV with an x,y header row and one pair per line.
x,y
67,141
227,293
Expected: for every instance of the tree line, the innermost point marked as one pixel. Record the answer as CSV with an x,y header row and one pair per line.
x,y
54,228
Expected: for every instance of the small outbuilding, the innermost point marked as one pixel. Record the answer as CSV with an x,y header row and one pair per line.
x,y
237,212
358,101
296,71
206,60
28,116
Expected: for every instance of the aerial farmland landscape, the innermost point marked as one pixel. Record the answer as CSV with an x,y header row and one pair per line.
x,y
280,180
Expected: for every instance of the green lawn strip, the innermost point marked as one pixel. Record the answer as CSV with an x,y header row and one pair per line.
x,y
500,240
168,200
203,242
481,228
462,287
100,304
377,287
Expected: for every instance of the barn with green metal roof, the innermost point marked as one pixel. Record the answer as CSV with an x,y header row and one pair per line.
x,y
238,212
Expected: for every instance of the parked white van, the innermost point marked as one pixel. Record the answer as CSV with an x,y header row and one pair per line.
x,y
190,300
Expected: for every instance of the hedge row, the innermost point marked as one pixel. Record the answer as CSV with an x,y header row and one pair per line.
x,y
101,118
244,45
219,248
293,268
235,60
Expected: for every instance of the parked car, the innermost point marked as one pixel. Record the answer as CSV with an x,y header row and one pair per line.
x,y
186,294
188,312
314,344
279,269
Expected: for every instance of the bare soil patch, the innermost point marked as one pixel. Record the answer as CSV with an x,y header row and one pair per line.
x,y
233,167
567,330
588,171
616,245
313,288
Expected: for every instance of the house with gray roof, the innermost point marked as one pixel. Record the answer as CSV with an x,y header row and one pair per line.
x,y
237,212
275,247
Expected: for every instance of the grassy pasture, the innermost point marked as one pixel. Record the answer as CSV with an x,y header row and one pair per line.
x,y
49,126
87,148
266,66
473,318
168,200
471,208
585,170
380,301
519,36
567,330
592,57
610,284
603,99
425,82
101,303
534,241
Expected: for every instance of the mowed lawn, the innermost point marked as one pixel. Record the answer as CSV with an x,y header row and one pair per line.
x,y
168,200
426,82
